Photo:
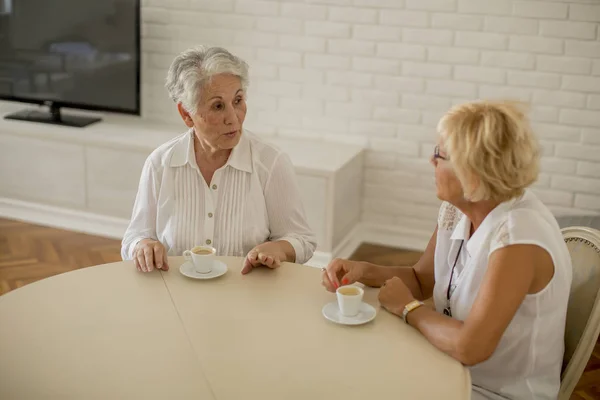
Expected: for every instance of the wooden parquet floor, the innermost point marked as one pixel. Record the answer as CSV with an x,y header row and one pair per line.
x,y
30,252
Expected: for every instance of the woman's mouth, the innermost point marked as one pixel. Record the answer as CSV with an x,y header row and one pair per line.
x,y
231,134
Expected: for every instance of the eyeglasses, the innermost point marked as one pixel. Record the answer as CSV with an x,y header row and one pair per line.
x,y
436,154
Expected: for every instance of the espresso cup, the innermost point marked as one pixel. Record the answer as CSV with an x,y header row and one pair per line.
x,y
201,257
349,299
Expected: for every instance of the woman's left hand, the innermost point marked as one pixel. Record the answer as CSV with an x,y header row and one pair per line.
x,y
268,254
394,295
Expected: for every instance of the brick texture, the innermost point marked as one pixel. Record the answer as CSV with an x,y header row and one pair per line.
x,y
382,72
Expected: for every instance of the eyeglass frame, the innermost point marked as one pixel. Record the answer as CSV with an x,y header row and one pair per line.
x,y
436,154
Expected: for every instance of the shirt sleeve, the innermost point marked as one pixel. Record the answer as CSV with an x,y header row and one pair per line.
x,y
287,219
523,227
143,218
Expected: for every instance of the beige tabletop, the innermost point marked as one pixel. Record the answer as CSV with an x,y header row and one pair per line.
x,y
110,332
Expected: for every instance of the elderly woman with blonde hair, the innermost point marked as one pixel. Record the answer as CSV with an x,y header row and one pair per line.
x,y
216,184
496,266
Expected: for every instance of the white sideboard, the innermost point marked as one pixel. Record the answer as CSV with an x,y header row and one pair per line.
x,y
85,179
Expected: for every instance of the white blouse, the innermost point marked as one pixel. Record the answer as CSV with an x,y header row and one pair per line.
x,y
527,362
252,199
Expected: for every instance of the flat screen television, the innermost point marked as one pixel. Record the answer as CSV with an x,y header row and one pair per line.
x,y
82,54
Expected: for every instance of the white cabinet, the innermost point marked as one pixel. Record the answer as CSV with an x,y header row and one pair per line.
x,y
330,179
34,169
112,180
313,191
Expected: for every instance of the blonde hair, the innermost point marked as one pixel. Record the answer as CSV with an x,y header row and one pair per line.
x,y
492,148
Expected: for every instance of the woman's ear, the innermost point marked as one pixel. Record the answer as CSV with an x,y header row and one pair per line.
x,y
185,115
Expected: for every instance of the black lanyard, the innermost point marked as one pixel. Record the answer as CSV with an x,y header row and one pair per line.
x,y
447,310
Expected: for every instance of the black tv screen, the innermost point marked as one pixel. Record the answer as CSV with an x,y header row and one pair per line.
x,y
76,53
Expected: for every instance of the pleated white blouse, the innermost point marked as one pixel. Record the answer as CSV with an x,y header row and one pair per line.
x,y
252,199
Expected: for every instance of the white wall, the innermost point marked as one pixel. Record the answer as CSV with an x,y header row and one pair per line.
x,y
381,72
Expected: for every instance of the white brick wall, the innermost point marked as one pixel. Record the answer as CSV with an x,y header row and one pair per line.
x,y
457,21
404,18
381,72
584,12
541,9
508,60
523,26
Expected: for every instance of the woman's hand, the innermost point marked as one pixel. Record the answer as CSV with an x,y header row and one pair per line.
x,y
395,295
150,254
269,254
342,272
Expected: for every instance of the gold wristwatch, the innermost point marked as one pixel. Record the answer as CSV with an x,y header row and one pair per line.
x,y
409,307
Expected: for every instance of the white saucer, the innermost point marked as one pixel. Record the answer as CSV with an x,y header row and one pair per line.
x,y
219,268
367,313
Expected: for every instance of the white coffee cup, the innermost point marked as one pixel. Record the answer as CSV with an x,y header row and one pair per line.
x,y
201,257
349,299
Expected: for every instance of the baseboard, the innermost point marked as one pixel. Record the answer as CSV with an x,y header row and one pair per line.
x,y
63,218
403,238
409,239
102,225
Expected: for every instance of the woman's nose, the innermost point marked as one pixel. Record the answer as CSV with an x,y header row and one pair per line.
x,y
433,161
230,116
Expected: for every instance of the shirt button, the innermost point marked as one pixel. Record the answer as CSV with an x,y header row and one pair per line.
x,y
210,215
214,187
208,241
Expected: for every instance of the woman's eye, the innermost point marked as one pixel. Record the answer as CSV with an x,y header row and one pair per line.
x,y
218,106
238,100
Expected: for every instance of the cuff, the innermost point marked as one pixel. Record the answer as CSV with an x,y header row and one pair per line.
x,y
298,249
127,252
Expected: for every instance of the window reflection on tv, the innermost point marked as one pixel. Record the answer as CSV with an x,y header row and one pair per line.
x,y
80,53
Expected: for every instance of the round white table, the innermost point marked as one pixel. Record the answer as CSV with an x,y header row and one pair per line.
x,y
111,332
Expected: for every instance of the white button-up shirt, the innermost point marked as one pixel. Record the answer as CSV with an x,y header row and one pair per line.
x,y
252,199
527,361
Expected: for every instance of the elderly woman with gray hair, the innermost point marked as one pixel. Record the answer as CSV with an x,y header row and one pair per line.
x,y
217,184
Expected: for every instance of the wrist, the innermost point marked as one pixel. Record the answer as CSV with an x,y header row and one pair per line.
x,y
140,243
413,317
399,311
410,308
286,251
280,249
371,273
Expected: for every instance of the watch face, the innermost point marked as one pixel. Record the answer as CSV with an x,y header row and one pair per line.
x,y
412,305
409,307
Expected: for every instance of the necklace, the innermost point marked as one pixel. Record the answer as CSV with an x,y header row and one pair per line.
x,y
448,310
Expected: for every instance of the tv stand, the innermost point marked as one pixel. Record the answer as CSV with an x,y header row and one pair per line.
x,y
53,116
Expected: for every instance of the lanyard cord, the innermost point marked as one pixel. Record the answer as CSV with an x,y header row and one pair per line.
x,y
452,273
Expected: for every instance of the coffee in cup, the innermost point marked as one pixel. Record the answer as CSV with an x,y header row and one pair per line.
x,y
201,257
349,291
202,251
349,299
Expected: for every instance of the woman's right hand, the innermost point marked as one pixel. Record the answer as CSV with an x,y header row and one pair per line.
x,y
150,254
342,272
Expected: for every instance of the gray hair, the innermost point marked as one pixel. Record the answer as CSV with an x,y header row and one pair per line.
x,y
193,68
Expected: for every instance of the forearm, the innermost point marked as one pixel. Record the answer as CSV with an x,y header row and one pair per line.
x,y
285,212
445,333
376,275
143,217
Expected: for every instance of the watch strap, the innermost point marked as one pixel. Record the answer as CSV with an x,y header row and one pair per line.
x,y
410,307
